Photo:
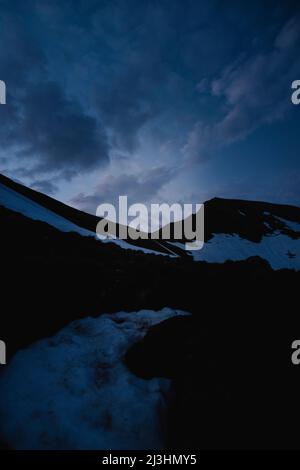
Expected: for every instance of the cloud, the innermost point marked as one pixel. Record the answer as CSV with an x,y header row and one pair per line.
x,y
155,82
58,133
289,34
47,131
256,91
45,186
142,187
43,128
158,53
139,69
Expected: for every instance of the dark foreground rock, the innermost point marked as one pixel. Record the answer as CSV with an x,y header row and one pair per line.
x,y
234,384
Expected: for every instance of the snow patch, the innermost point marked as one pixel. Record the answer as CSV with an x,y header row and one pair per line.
x,y
276,249
294,226
72,391
19,203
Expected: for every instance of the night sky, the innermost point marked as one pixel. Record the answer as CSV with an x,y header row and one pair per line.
x,y
162,100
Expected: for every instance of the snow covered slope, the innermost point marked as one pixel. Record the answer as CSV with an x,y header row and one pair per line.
x,y
20,203
17,202
234,229
76,392
281,251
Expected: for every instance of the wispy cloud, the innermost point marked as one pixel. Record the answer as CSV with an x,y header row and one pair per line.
x,y
254,91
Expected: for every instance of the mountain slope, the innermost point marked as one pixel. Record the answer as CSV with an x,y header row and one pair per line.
x,y
233,383
38,206
234,229
77,217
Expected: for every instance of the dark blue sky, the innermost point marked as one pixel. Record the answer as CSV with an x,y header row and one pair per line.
x,y
162,100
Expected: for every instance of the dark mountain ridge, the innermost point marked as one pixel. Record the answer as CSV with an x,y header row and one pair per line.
x,y
250,220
